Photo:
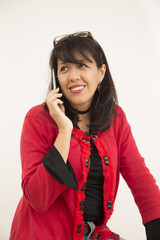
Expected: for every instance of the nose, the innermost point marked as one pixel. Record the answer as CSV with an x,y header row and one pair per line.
x,y
74,74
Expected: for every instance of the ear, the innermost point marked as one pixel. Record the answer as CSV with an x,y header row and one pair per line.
x,y
102,71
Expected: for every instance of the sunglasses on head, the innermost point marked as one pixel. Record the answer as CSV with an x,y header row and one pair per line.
x,y
84,34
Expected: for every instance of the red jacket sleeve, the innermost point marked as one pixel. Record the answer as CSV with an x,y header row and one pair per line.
x,y
39,187
138,177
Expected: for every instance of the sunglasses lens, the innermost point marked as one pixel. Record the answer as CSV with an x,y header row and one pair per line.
x,y
59,38
82,34
78,34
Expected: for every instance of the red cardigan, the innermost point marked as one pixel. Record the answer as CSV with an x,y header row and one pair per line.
x,y
51,210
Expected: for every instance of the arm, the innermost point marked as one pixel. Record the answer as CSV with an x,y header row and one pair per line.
x,y
39,187
65,126
153,229
57,169
61,171
62,143
138,177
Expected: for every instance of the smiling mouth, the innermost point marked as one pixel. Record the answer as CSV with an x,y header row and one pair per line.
x,y
77,88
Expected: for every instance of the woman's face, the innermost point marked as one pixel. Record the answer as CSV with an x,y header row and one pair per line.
x,y
79,81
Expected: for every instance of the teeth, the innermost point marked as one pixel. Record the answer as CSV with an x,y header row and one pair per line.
x,y
77,88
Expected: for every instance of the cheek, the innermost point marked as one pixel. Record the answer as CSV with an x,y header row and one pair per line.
x,y
94,81
62,82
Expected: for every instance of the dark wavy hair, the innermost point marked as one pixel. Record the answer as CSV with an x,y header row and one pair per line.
x,y
105,102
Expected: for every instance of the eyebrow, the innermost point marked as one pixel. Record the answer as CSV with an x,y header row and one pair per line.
x,y
78,61
62,62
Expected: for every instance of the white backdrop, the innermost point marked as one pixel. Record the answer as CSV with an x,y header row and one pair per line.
x,y
128,32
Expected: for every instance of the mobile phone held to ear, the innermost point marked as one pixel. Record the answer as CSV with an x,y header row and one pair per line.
x,y
53,79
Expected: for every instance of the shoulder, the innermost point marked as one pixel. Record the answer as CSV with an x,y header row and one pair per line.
x,y
39,114
37,110
120,122
38,127
120,114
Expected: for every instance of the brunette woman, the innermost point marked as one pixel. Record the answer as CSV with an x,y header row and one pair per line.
x,y
74,148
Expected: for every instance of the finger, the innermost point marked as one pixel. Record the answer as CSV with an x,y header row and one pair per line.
x,y
62,108
59,101
53,91
53,97
54,103
55,107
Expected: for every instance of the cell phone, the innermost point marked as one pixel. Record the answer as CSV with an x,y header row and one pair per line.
x,y
53,79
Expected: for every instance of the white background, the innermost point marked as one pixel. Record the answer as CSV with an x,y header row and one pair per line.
x,y
128,31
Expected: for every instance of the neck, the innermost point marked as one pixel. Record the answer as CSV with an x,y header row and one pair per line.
x,y
84,121
83,112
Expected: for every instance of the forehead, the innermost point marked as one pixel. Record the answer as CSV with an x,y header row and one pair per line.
x,y
77,58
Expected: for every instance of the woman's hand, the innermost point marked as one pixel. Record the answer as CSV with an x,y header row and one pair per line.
x,y
57,110
65,126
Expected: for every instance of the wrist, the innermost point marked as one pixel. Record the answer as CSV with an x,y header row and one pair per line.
x,y
67,131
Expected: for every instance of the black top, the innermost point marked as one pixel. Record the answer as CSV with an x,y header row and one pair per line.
x,y
93,204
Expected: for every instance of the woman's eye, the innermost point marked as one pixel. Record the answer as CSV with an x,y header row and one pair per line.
x,y
64,68
83,65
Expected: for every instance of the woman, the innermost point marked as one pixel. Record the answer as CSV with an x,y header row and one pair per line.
x,y
73,148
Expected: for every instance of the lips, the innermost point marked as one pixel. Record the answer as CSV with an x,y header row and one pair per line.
x,y
76,88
